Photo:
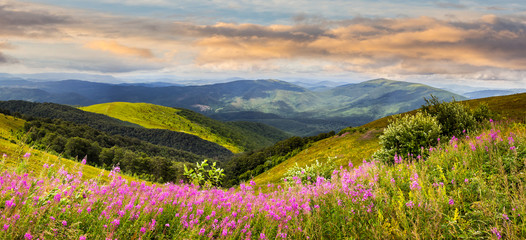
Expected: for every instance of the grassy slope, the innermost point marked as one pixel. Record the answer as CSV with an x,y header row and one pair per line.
x,y
351,147
160,117
357,146
15,152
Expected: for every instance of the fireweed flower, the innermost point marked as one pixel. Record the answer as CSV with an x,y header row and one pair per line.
x,y
27,155
496,232
451,201
28,236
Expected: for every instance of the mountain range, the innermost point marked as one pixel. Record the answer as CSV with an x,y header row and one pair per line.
x,y
281,104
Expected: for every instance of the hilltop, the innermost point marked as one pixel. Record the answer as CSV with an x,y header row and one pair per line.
x,y
236,137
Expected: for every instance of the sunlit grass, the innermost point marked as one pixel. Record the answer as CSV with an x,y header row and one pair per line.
x,y
160,117
349,147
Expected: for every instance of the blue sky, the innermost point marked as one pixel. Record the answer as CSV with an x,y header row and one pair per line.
x,y
464,42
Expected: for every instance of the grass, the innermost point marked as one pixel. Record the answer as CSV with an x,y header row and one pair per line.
x,y
160,117
349,147
471,188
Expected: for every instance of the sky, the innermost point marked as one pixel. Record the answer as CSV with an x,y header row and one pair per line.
x,y
476,43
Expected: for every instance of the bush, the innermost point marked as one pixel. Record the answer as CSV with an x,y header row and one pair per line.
x,y
205,177
309,174
482,113
453,117
406,136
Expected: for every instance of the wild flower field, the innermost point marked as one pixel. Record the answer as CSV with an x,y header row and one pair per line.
x,y
471,187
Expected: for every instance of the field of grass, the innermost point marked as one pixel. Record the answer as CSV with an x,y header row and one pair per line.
x,y
471,188
160,117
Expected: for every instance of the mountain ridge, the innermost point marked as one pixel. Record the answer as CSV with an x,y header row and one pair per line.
x,y
349,105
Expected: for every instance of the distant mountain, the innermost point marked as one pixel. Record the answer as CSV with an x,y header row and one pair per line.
x,y
492,93
318,86
236,137
296,109
151,84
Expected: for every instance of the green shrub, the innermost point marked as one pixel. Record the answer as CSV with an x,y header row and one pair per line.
x,y
205,177
454,118
309,174
407,135
482,112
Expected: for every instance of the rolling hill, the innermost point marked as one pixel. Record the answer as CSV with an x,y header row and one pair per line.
x,y
360,142
236,137
177,140
297,110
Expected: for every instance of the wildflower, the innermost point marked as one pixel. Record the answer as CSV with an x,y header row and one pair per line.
x,y
65,223
262,236
451,201
143,230
27,155
4,155
10,203
167,225
252,183
83,237
6,226
116,222
28,236
496,232
505,216
490,120
52,218
410,204
466,180
512,147
202,231
83,161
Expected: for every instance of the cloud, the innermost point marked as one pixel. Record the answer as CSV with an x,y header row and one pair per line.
x,y
17,21
394,45
4,58
406,45
119,49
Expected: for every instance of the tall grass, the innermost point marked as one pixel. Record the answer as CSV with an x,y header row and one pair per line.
x,y
467,188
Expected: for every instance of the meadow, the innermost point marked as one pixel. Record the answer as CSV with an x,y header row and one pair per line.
x,y
471,187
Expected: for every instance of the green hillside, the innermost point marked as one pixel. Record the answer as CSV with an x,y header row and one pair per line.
x,y
14,152
235,136
360,142
155,116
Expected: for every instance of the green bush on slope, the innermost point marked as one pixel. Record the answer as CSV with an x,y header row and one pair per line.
x,y
407,135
